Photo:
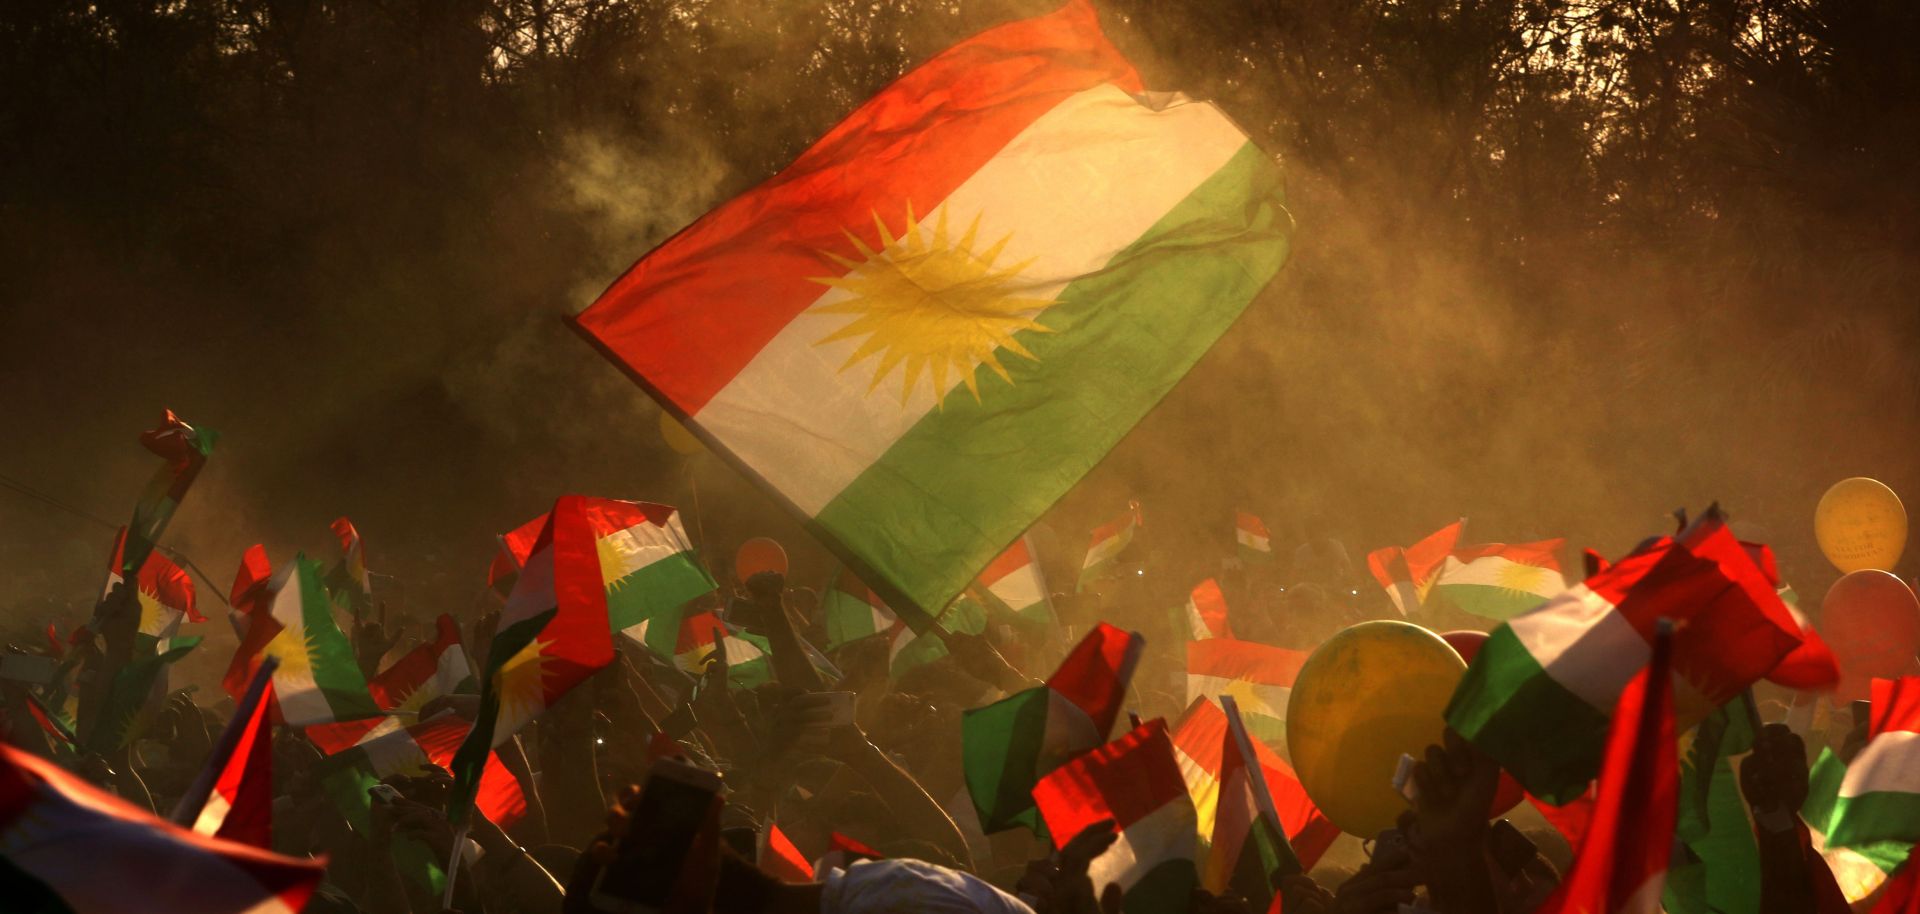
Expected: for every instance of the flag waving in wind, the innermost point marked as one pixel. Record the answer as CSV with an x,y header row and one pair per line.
x,y
921,333
553,634
1538,695
1006,746
1621,864
1109,540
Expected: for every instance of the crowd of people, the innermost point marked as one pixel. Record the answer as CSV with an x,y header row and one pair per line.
x,y
842,805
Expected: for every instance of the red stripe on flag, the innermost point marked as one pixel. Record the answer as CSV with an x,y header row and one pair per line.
x,y
1125,780
247,781
1631,835
1896,706
696,310
1094,677
1006,563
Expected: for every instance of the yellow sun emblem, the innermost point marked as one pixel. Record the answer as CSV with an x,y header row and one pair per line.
x,y
931,305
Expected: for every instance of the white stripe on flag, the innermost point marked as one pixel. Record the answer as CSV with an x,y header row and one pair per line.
x,y
1889,764
1100,151
1583,644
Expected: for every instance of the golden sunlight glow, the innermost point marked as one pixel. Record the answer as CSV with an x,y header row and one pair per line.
x,y
931,305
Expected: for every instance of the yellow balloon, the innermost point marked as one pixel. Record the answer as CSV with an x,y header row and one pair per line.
x,y
1860,524
677,436
1365,696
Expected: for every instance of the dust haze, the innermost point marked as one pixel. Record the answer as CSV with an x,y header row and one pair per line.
x,y
1559,268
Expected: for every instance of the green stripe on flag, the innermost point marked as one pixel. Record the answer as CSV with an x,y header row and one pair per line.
x,y
1123,336
1547,737
656,592
1721,870
335,671
1000,755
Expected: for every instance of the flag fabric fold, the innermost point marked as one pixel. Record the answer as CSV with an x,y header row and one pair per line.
x,y
1407,573
921,333
554,633
1136,782
1207,612
1258,676
1879,799
1008,745
1251,540
318,681
1621,864
1109,540
185,450
1539,694
240,805
69,846
1199,738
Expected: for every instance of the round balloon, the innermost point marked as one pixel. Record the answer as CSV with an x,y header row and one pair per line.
x,y
1860,524
1871,620
757,555
677,436
1367,695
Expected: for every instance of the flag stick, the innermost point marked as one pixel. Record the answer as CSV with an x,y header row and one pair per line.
x,y
453,861
188,809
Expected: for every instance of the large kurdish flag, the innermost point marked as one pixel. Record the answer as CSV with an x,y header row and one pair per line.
x,y
921,333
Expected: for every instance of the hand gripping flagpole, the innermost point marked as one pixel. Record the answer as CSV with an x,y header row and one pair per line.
x,y
187,811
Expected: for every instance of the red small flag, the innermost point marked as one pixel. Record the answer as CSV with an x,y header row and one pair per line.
x,y
781,860
240,808
1621,865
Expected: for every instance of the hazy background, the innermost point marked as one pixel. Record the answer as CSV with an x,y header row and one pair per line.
x,y
1561,267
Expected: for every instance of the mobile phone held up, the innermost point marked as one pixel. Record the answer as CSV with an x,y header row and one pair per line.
x,y
677,801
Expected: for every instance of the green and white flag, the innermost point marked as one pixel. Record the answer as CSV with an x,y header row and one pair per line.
x,y
921,333
318,680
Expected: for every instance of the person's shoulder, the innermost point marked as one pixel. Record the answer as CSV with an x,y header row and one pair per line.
x,y
905,885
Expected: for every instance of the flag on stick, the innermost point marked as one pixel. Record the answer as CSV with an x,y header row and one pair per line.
x,y
1879,800
1408,573
1498,581
1258,676
1109,540
1621,864
1538,695
1134,781
1250,536
232,797
69,846
1008,745
553,634
317,680
1012,217
185,450
1248,849
1207,612
1199,740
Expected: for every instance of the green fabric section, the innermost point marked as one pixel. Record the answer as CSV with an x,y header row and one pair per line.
x,y
1544,735
963,616
1000,756
470,760
657,592
1721,869
159,499
24,894
1165,889
972,475
128,708
1486,601
848,617
335,671
347,787
1823,797
1251,556
1264,856
1875,817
